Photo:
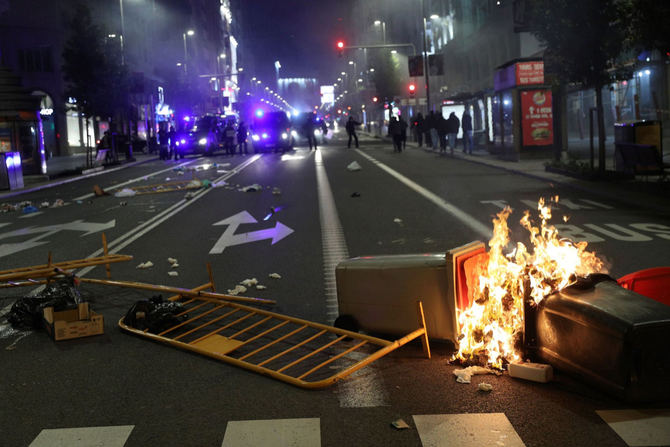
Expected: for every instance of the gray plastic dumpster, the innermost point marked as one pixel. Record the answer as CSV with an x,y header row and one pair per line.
x,y
380,293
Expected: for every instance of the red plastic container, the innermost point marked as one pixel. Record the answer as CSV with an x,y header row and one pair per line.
x,y
653,283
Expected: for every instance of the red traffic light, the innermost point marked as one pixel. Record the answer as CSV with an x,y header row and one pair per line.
x,y
375,99
412,88
340,45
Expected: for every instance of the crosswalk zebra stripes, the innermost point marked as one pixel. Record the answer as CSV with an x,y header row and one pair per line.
x,y
637,428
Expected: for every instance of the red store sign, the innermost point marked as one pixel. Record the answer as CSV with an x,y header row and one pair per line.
x,y
537,119
530,73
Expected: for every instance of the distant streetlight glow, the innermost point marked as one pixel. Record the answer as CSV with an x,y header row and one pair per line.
x,y
434,17
190,32
351,62
393,51
222,55
378,22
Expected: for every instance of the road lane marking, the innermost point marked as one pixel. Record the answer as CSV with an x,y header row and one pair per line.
x,y
639,427
128,182
466,430
126,239
229,238
465,218
114,436
335,250
273,433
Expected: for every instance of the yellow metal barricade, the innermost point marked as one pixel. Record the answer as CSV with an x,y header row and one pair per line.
x,y
296,351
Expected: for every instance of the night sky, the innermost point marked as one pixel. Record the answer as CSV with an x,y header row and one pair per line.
x,y
301,34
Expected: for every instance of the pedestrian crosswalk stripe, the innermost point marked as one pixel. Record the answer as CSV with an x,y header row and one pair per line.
x,y
273,433
639,427
466,430
114,436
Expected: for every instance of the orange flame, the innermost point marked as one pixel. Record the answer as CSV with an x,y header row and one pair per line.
x,y
492,327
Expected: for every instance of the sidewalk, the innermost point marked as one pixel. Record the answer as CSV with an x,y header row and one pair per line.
x,y
70,168
651,193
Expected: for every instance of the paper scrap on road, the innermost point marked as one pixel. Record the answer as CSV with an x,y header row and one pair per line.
x,y
173,273
354,166
400,424
276,191
486,387
397,220
249,282
260,287
172,260
251,188
145,265
237,290
125,192
465,375
275,275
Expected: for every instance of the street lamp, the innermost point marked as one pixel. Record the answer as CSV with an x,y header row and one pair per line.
x,y
425,55
123,32
187,33
383,25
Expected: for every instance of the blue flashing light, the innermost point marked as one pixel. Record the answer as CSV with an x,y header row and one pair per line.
x,y
260,113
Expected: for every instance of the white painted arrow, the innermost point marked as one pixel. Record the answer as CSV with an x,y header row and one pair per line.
x,y
229,238
75,225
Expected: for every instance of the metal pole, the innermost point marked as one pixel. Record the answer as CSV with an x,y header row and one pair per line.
x,y
123,33
384,33
183,35
425,56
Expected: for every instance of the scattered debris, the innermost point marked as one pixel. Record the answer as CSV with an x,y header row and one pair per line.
x,y
398,220
58,203
145,265
99,192
536,372
276,191
237,290
172,260
29,209
44,205
154,315
249,282
399,424
175,265
400,241
173,273
123,203
355,194
275,275
465,375
486,387
189,195
354,166
125,192
251,188
194,184
429,240
260,287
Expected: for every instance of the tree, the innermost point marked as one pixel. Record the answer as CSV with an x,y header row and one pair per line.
x,y
582,40
92,69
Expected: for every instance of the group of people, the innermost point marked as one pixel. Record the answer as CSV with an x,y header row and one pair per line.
x,y
442,133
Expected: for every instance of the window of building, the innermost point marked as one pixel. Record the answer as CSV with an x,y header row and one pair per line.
x,y
36,60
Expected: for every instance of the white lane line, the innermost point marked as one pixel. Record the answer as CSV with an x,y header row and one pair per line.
x,y
639,427
126,239
26,216
273,433
115,436
113,187
466,430
332,240
465,218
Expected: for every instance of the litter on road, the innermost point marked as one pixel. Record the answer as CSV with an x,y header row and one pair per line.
x,y
173,273
145,265
465,375
486,387
251,188
275,275
400,424
354,166
125,192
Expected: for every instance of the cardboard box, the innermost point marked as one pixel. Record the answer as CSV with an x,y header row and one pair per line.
x,y
72,323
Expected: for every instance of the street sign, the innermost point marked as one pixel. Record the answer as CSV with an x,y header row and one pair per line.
x,y
229,238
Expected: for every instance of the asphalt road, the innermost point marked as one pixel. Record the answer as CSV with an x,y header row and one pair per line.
x,y
410,202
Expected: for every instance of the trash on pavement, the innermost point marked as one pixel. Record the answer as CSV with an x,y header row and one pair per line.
x,y
237,290
145,265
355,194
172,260
44,205
260,287
276,191
354,166
173,273
536,372
194,184
249,282
73,323
275,275
486,387
400,424
154,315
251,188
58,203
465,375
398,220
29,209
26,312
125,192
98,191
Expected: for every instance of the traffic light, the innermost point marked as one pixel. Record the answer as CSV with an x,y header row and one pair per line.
x,y
340,48
412,90
375,99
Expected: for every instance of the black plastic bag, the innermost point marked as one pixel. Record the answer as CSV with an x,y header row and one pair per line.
x,y
154,315
61,294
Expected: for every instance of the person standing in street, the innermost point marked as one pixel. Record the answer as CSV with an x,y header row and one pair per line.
x,y
395,134
308,131
172,138
242,137
442,132
466,124
452,130
419,129
351,130
434,137
403,132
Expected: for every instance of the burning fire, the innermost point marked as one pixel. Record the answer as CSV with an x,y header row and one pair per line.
x,y
499,284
